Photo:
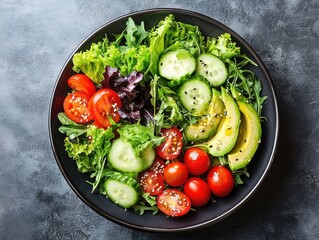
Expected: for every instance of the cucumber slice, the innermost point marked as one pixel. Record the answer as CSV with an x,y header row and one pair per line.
x,y
122,190
122,158
195,95
212,68
148,156
176,64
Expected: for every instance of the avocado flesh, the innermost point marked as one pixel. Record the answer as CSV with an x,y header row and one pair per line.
x,y
248,139
227,133
208,124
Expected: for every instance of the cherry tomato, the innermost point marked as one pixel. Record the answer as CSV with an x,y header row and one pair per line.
x,y
172,145
76,107
197,161
81,83
104,104
97,124
198,191
175,174
158,165
151,182
220,180
173,202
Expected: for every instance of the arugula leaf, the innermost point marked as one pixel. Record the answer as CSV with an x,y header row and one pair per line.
x,y
67,121
70,128
245,81
153,91
168,111
148,203
90,152
239,174
135,34
259,99
223,160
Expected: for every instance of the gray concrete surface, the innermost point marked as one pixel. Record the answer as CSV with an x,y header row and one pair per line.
x,y
36,37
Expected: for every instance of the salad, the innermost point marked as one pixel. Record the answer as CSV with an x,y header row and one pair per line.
x,y
163,119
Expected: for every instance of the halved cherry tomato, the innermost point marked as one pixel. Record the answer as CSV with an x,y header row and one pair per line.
x,y
198,191
81,83
220,180
96,124
151,182
158,165
103,104
172,145
76,107
173,202
197,161
175,174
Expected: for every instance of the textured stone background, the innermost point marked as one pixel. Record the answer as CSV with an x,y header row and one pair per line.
x,y
35,40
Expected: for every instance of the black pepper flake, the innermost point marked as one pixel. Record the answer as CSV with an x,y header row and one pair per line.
x,y
210,146
185,92
202,130
194,97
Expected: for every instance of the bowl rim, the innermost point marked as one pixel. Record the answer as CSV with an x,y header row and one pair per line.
x,y
269,82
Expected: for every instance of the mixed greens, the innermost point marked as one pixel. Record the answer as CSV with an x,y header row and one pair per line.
x,y
169,76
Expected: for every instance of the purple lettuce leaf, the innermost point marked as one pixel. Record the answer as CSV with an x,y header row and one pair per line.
x,y
134,97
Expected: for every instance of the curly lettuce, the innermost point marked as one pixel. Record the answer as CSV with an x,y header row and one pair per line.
x,y
88,146
139,136
127,59
91,62
127,56
223,47
170,34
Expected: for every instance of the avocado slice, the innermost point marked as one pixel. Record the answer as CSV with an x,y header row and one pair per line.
x,y
208,124
249,134
227,133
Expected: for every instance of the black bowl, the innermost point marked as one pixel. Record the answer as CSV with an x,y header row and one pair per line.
x,y
204,216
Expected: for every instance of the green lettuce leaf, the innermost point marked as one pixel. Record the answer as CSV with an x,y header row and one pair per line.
x,y
186,36
92,62
90,150
126,56
170,34
223,47
157,41
140,137
127,59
